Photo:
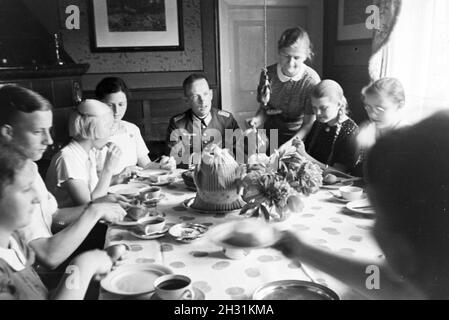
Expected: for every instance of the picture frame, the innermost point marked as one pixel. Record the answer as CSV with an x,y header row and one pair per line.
x,y
142,25
352,20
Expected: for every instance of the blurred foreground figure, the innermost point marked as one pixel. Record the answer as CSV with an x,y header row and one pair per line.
x,y
408,184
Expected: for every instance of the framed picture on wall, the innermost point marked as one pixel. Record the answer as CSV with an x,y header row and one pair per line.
x,y
352,20
138,25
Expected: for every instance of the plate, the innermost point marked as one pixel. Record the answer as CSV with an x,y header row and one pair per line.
x,y
150,173
156,177
188,205
163,183
337,197
337,185
133,279
152,182
129,223
244,234
187,232
358,207
130,189
294,290
198,295
151,236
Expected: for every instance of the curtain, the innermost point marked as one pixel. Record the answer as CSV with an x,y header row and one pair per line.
x,y
416,51
389,11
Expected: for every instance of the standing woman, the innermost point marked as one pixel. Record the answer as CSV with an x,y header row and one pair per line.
x,y
289,109
114,92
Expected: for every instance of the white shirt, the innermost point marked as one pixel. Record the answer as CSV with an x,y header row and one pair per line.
x,y
13,255
71,162
41,219
285,78
129,139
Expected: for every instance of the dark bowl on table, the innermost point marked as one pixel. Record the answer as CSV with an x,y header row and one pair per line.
x,y
187,176
136,212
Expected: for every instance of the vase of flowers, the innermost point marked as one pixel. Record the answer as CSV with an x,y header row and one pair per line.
x,y
274,187
303,175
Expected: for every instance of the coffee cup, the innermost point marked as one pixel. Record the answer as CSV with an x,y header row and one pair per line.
x,y
351,193
150,193
150,225
174,287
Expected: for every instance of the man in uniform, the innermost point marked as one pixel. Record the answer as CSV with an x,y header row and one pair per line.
x,y
190,132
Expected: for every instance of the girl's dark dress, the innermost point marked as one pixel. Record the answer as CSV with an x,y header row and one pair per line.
x,y
319,143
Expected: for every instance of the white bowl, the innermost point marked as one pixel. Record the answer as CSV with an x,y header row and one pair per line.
x,y
351,193
150,193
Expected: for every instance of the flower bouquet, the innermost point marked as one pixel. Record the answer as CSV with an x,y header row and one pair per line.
x,y
303,175
273,186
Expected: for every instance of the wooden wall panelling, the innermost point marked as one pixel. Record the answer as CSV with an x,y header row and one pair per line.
x,y
345,61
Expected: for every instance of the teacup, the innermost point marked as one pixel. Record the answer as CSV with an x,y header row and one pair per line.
x,y
150,193
150,225
174,287
351,193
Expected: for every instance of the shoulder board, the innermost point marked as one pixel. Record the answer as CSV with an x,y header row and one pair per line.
x,y
179,117
224,113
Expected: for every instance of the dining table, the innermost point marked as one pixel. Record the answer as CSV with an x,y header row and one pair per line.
x,y
324,222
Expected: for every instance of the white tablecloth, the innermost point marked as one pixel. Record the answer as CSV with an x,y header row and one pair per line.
x,y
324,222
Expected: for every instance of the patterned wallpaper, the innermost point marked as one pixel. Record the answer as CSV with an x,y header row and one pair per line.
x,y
77,44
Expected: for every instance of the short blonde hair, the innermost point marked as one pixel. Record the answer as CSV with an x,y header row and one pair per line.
x,y
91,125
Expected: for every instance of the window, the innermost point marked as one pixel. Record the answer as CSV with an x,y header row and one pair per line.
x,y
418,55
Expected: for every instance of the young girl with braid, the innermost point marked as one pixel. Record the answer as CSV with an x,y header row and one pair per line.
x,y
331,141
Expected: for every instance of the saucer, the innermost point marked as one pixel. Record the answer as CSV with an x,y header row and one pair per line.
x,y
336,196
151,236
187,232
363,207
127,222
163,183
337,185
153,183
199,295
152,173
133,279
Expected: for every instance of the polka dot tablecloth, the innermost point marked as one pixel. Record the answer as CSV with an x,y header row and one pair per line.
x,y
324,222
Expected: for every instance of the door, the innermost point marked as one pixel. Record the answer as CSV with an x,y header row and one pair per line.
x,y
242,45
